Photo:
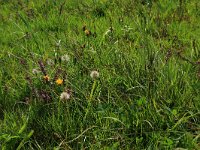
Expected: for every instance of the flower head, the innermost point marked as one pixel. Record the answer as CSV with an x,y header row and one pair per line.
x,y
46,78
65,95
59,81
50,62
65,58
94,74
35,71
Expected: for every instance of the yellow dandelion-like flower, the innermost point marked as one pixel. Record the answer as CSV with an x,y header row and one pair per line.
x,y
59,81
46,78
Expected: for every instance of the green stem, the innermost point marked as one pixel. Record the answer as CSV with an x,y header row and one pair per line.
x,y
90,99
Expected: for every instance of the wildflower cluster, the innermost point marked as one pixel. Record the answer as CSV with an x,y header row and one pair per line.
x,y
48,80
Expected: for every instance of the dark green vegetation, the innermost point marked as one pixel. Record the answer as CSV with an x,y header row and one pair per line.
x,y
146,97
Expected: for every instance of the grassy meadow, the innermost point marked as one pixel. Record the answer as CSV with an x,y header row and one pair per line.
x,y
100,74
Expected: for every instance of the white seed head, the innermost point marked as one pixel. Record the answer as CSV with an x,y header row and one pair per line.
x,y
65,96
50,62
35,71
65,58
94,74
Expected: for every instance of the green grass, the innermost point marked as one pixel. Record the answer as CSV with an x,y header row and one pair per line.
x,y
146,52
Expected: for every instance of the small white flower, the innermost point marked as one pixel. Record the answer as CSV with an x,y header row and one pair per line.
x,y
58,43
35,71
94,74
65,58
50,62
65,96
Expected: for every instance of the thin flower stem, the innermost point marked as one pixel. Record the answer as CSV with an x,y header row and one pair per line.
x,y
90,99
92,91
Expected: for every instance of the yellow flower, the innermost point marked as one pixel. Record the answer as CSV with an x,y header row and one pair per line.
x,y
46,78
59,81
